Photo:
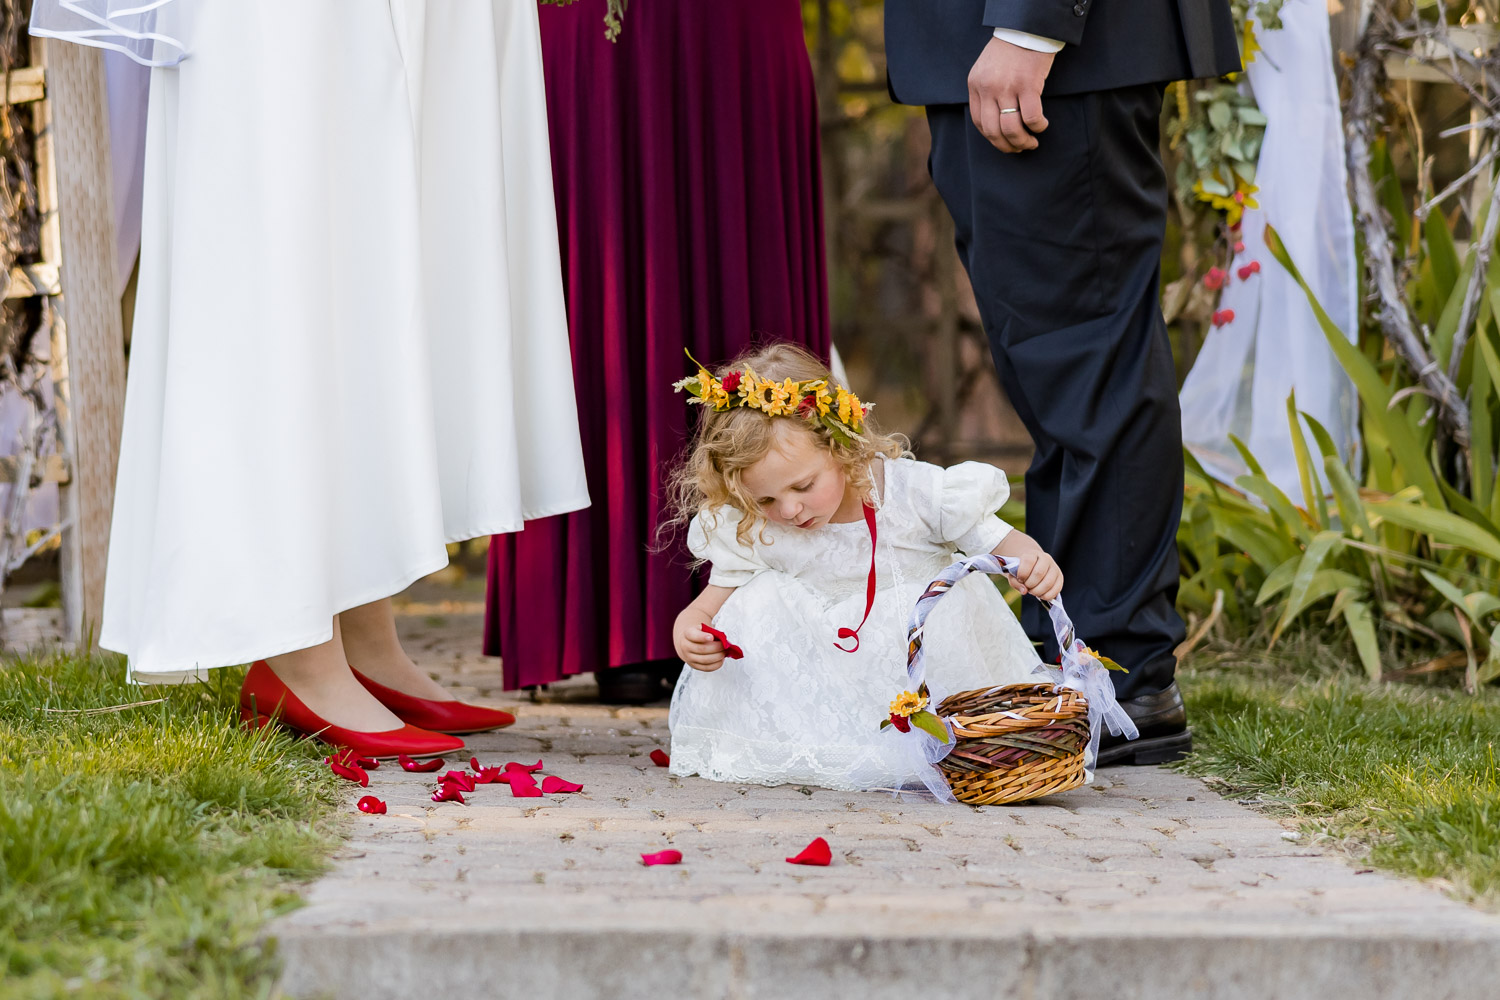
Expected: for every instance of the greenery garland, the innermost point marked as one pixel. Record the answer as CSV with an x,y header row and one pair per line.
x,y
614,12
1221,126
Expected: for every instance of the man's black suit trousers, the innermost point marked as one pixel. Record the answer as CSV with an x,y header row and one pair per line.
x,y
1063,247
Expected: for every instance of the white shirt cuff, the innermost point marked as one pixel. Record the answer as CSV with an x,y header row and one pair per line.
x,y
1026,40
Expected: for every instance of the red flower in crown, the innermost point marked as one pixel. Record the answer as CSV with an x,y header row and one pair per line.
x,y
806,407
731,382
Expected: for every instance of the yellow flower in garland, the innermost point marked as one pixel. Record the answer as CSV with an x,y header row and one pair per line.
x,y
823,400
713,390
908,703
851,411
1233,205
771,398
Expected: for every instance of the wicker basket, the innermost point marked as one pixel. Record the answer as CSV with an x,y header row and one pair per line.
x,y
1015,742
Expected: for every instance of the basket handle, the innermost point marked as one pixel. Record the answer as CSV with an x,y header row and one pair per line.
x,y
1081,670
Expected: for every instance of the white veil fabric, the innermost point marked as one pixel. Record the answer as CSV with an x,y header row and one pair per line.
x,y
1240,381
144,30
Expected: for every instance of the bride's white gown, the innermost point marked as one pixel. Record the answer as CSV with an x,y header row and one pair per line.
x,y
349,344
795,709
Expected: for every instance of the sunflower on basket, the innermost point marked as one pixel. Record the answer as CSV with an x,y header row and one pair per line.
x,y
910,709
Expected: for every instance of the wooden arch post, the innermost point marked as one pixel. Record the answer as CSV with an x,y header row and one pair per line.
x,y
88,336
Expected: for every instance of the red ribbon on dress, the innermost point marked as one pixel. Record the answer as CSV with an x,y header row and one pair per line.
x,y
853,633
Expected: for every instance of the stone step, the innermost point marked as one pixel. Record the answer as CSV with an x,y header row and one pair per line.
x,y
998,958
1145,884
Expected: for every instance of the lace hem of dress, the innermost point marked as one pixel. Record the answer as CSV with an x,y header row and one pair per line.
x,y
719,756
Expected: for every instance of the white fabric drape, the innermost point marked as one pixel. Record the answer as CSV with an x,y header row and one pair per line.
x,y
350,344
1241,379
145,30
129,87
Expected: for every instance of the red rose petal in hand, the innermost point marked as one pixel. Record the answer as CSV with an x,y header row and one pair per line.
x,y
662,858
732,651
351,771
422,766
660,759
370,804
552,783
449,792
816,853
511,765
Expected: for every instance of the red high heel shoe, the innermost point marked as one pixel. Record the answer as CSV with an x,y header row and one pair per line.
x,y
265,699
440,716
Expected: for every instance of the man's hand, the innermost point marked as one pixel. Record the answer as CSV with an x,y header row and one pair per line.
x,y
1006,77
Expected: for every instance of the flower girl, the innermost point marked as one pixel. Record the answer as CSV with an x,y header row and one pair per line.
x,y
822,533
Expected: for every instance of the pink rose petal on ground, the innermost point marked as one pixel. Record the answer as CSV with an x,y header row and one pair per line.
x,y
816,853
462,779
421,766
448,793
659,758
552,783
511,765
662,858
351,771
370,804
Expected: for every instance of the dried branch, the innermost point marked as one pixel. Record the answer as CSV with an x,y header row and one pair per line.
x,y
1362,121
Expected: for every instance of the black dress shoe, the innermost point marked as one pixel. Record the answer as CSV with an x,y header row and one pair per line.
x,y
628,685
1165,736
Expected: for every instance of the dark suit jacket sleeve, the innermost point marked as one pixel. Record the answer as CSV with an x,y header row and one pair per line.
x,y
1059,19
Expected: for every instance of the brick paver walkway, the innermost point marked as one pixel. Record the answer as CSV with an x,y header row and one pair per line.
x,y
1145,884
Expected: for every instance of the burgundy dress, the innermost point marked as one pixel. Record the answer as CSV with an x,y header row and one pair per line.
x,y
686,168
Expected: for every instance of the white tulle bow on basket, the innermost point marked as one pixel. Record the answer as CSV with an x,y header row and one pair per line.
x,y
1012,742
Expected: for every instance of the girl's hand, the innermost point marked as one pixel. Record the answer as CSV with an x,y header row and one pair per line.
x,y
1039,575
697,648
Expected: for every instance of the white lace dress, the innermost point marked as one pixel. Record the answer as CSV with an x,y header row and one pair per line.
x,y
797,709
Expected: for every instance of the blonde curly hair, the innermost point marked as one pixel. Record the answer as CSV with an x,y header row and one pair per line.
x,y
728,442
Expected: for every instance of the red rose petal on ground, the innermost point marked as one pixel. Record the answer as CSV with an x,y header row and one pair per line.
x,y
370,804
422,766
352,759
351,771
511,765
816,853
525,790
731,651
448,793
659,758
488,775
662,858
462,779
552,783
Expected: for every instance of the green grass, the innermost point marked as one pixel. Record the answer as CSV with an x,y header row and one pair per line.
x,y
1402,776
143,850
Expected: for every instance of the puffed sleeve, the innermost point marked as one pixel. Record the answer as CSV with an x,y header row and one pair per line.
x,y
968,497
711,537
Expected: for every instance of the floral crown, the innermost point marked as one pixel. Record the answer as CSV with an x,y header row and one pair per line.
x,y
817,400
